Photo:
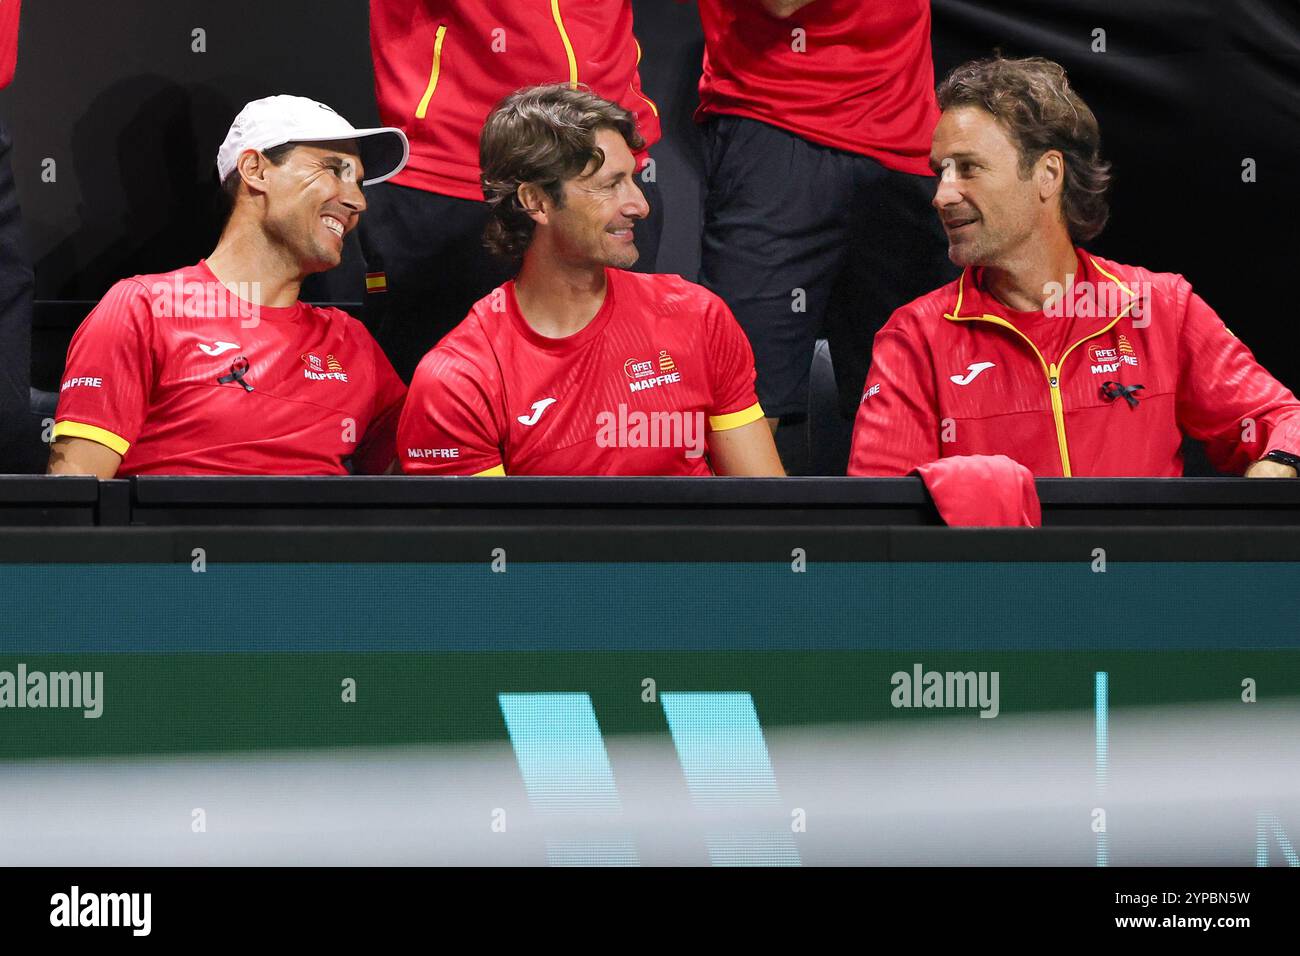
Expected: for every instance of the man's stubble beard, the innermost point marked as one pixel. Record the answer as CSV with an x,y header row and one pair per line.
x,y
305,252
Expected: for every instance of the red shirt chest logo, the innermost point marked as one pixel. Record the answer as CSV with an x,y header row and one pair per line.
x,y
651,372
1106,359
323,370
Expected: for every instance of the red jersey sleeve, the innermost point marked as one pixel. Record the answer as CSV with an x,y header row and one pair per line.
x,y
378,446
1226,398
109,374
731,363
897,428
9,10
448,426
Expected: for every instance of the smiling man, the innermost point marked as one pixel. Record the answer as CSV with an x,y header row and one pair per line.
x,y
218,368
1062,361
577,366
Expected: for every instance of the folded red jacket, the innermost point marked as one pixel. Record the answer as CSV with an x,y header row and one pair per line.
x,y
983,491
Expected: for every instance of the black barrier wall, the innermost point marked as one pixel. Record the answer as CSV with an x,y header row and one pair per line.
x,y
1263,514
117,111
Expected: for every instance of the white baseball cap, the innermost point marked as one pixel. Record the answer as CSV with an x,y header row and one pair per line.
x,y
275,120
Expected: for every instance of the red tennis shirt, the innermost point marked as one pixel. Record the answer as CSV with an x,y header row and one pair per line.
x,y
857,75
442,65
636,392
1107,386
180,376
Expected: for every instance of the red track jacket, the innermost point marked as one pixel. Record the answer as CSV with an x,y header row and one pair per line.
x,y
8,40
442,65
1107,389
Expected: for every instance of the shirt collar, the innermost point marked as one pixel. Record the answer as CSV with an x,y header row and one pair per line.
x,y
975,302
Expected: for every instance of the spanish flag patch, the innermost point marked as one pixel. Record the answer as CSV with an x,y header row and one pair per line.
x,y
376,282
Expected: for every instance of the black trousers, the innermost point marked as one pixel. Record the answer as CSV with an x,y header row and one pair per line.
x,y
21,449
804,241
430,249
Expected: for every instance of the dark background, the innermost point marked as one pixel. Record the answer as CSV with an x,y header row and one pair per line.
x,y
1186,90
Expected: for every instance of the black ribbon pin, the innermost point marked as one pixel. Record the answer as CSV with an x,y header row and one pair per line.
x,y
1113,390
238,369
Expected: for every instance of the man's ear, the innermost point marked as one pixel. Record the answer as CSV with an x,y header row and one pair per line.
x,y
1050,174
253,167
534,201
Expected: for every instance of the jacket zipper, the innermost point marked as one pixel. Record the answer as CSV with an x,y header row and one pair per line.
x,y
653,108
1058,415
422,110
568,47
1053,370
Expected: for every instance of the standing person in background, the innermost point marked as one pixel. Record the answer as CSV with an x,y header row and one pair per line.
x,y
440,68
817,119
19,450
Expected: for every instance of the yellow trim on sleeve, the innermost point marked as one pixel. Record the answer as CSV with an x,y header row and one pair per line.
x,y
101,435
568,47
722,423
498,472
423,108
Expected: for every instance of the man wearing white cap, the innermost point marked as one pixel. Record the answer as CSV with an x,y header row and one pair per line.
x,y
218,368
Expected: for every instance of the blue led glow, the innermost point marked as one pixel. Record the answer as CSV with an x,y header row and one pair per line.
x,y
724,757
1267,824
1101,711
566,771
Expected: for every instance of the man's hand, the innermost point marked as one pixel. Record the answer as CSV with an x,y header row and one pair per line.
x,y
783,8
1270,469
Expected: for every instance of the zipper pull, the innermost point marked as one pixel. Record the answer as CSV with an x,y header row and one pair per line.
x,y
1054,376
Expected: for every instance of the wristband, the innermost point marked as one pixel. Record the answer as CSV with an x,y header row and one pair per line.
x,y
1284,458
